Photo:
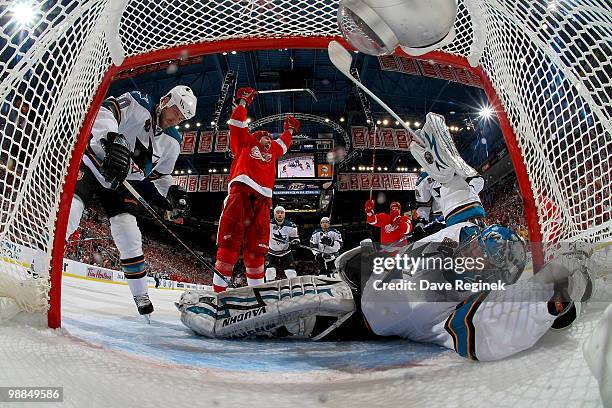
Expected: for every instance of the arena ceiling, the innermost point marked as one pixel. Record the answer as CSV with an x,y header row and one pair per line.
x,y
411,96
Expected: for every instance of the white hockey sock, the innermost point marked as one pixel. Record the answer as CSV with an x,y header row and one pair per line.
x,y
76,212
138,286
255,276
270,274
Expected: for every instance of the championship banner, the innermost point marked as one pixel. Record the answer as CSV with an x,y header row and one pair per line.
x,y
374,138
206,141
192,184
216,181
224,182
182,182
343,182
354,181
188,145
222,141
376,184
401,139
358,137
385,180
364,181
388,139
203,183
378,181
175,180
409,181
396,182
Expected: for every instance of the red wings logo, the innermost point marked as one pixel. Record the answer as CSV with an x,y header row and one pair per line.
x,y
258,155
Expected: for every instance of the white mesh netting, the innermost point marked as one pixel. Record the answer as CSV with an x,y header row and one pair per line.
x,y
548,61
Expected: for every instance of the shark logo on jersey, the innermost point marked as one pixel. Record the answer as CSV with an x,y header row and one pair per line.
x,y
429,157
258,155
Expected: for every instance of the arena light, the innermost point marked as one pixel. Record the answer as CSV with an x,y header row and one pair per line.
x,y
396,123
353,168
249,120
23,13
326,119
417,124
225,169
378,122
486,112
385,122
187,125
407,123
198,124
212,123
177,127
189,171
342,119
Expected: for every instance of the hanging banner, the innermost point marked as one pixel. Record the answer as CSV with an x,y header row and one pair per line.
x,y
222,141
182,182
206,141
203,183
224,182
358,137
215,183
401,139
388,139
188,145
378,181
192,184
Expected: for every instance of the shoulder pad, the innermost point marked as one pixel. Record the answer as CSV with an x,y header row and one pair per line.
x,y
316,230
422,177
332,229
174,133
143,99
288,223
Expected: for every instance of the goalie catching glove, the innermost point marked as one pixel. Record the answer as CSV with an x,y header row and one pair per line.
x,y
178,199
116,163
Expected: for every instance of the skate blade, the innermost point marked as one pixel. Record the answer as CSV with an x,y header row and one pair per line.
x,y
147,318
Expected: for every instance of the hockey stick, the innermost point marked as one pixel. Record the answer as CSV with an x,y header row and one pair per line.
x,y
342,60
151,211
290,90
282,241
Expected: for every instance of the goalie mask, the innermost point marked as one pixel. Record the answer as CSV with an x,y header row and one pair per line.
x,y
504,253
377,27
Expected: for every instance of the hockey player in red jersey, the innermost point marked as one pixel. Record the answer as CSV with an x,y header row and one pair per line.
x,y
245,218
393,226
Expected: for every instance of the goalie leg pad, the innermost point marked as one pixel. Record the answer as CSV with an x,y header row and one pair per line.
x,y
273,309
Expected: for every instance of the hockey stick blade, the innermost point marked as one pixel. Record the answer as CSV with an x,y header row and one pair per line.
x,y
342,59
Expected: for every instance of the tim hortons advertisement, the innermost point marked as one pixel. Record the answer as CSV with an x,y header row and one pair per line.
x,y
97,273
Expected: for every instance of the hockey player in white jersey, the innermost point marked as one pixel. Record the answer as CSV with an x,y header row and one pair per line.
x,y
133,139
326,243
429,218
284,239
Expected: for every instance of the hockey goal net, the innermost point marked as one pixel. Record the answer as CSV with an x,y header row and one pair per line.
x,y
545,66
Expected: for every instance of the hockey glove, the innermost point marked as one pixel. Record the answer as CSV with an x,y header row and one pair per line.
x,y
327,241
291,123
246,94
369,208
116,163
294,244
178,199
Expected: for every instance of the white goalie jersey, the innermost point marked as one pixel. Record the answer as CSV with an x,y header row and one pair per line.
x,y
154,153
281,236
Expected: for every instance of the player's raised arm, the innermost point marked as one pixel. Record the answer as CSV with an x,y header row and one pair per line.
x,y
282,144
239,128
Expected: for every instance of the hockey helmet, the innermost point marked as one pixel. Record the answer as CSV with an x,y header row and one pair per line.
x,y
183,98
